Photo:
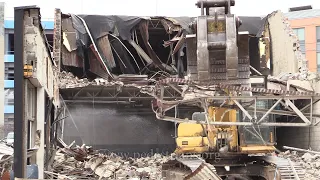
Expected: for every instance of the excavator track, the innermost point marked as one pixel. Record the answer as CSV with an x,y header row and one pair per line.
x,y
189,168
195,168
287,169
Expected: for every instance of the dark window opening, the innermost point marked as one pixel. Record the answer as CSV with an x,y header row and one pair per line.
x,y
50,41
9,71
11,44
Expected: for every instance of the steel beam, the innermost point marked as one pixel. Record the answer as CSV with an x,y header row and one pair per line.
x,y
271,97
243,110
280,112
269,111
312,102
20,128
296,110
268,97
279,124
118,98
98,102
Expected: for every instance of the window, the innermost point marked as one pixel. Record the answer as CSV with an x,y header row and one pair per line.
x,y
50,41
301,36
300,33
9,71
318,36
10,48
9,97
10,42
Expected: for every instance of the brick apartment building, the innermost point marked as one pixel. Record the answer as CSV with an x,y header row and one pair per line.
x,y
305,22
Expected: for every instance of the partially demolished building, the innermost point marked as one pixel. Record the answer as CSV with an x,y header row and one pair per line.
x,y
111,80
118,76
108,61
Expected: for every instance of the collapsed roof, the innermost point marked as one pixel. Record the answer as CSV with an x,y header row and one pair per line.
x,y
114,46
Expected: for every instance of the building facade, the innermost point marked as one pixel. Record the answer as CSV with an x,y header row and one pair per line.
x,y
306,25
9,68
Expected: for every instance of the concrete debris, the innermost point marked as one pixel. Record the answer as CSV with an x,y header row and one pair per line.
x,y
6,154
6,159
302,61
68,80
82,162
303,76
309,161
303,73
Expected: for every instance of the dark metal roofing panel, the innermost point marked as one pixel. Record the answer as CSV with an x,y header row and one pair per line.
x,y
311,13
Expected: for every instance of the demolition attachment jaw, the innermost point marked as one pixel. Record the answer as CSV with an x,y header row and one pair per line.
x,y
221,4
217,38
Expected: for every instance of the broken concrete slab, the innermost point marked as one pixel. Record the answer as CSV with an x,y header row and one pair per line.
x,y
109,166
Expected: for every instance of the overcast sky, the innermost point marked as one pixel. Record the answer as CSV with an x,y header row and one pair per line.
x,y
152,7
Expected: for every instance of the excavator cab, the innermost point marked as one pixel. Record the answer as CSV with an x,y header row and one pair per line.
x,y
198,138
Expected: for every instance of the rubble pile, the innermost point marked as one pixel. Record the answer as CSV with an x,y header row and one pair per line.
x,y
82,162
309,161
68,80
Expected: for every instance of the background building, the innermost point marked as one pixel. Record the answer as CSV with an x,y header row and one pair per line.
x,y
9,68
305,22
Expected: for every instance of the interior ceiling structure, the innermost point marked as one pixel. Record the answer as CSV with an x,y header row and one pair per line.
x,y
111,46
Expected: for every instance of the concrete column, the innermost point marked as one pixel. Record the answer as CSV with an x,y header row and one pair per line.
x,y
2,69
40,119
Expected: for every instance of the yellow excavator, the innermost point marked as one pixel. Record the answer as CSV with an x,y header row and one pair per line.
x,y
224,141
